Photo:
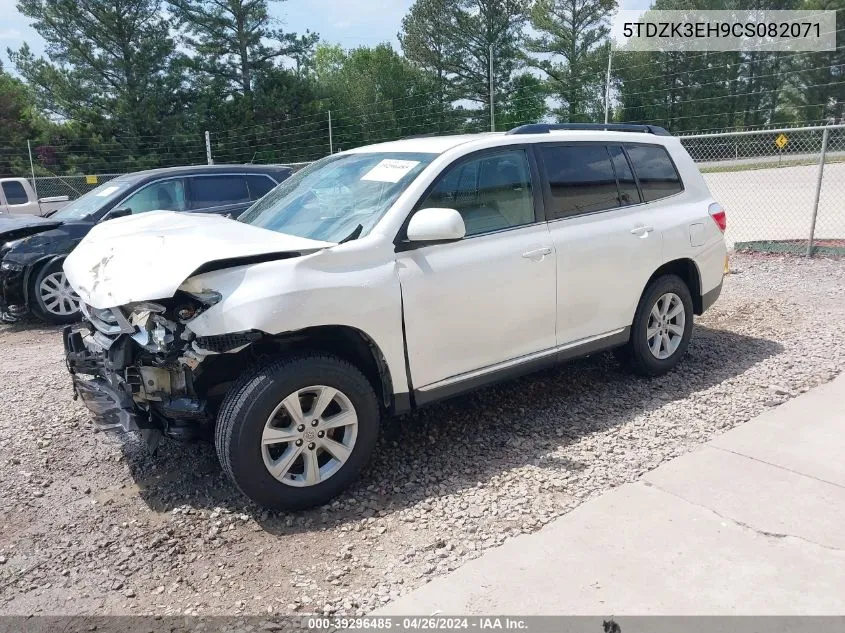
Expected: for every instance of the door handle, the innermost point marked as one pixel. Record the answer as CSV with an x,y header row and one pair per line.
x,y
642,231
538,254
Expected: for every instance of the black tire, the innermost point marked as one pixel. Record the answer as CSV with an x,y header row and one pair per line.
x,y
36,301
636,355
251,401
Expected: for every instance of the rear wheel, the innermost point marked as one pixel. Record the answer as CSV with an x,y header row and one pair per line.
x,y
662,328
51,297
295,433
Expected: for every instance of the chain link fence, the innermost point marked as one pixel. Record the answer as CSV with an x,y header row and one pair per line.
x,y
70,186
783,189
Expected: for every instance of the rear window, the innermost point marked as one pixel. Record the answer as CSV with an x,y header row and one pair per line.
x,y
655,171
15,193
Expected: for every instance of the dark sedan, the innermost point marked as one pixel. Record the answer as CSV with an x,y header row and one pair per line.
x,y
32,249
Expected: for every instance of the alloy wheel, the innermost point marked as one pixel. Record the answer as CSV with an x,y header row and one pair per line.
x,y
666,324
309,436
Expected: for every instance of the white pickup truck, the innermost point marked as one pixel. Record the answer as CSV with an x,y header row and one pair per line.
x,y
18,198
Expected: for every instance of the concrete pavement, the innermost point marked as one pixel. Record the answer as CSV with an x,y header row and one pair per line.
x,y
752,523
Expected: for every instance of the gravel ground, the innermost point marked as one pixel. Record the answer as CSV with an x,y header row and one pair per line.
x,y
92,525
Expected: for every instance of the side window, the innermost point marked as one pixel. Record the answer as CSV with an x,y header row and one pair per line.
x,y
165,195
216,191
492,192
628,192
655,171
15,193
581,179
259,186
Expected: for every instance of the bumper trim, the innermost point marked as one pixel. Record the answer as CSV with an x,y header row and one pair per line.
x,y
112,410
710,297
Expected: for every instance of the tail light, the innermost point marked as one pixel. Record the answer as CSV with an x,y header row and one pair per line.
x,y
718,215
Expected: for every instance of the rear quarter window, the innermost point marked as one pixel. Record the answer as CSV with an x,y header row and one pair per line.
x,y
655,171
259,186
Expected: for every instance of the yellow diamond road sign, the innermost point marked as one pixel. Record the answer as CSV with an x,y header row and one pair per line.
x,y
781,141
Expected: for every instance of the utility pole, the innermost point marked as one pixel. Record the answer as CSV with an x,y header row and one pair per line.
x,y
208,148
607,83
492,98
331,142
32,168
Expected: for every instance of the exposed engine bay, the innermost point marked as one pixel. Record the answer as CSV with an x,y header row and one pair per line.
x,y
139,367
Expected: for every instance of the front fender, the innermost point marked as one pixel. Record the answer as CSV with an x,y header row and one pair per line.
x,y
328,288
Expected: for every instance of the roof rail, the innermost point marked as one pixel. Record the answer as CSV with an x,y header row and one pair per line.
x,y
545,128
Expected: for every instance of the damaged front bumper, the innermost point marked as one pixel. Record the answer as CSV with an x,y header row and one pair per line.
x,y
12,299
136,371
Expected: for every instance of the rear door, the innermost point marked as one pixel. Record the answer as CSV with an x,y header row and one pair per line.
x,y
605,237
218,193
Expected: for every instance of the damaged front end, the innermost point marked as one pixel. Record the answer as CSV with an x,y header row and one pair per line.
x,y
140,368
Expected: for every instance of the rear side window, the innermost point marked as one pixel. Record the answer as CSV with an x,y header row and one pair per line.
x,y
655,171
217,191
15,193
259,186
581,179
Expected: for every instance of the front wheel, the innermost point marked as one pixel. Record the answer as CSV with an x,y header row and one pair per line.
x,y
51,297
294,433
662,328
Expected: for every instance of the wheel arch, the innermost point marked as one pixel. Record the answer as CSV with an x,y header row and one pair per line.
x,y
349,343
687,270
33,269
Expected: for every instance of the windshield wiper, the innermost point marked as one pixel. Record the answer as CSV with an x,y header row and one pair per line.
x,y
354,235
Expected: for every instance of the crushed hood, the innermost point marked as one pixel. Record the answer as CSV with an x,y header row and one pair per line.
x,y
13,227
148,256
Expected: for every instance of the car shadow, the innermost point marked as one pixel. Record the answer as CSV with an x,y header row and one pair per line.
x,y
27,324
461,442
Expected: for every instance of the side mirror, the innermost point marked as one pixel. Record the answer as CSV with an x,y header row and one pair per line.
x,y
116,213
436,225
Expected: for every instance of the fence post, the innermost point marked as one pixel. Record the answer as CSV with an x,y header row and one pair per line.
x,y
818,193
331,143
32,168
208,148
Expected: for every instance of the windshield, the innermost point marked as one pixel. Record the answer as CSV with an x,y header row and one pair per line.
x,y
330,199
92,201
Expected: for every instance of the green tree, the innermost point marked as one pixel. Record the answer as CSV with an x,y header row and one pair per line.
x,y
573,41
375,95
233,40
18,123
525,103
426,42
479,28
110,64
817,88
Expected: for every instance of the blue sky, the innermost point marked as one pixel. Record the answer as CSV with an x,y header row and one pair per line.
x,y
350,24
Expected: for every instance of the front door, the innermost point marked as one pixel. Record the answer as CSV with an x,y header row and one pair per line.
x,y
490,297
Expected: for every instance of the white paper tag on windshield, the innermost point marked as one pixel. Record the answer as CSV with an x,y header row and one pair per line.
x,y
107,192
390,170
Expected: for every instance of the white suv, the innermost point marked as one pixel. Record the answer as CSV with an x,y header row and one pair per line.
x,y
384,278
